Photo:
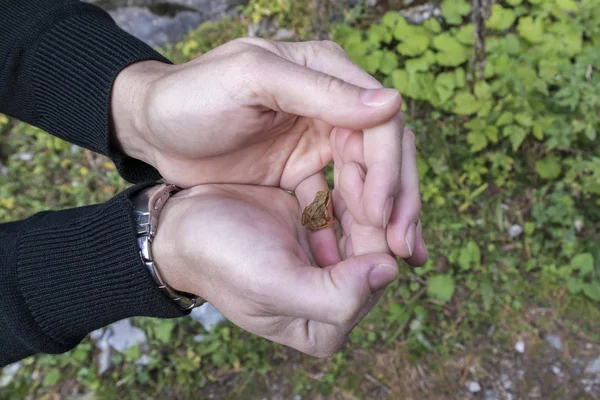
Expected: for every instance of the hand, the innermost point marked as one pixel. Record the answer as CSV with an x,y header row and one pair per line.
x,y
242,248
275,114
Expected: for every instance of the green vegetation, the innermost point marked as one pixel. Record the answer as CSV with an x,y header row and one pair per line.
x,y
518,147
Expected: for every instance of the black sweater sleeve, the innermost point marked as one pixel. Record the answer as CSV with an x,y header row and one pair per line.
x,y
58,61
66,273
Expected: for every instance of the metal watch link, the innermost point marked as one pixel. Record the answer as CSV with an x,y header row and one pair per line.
x,y
147,205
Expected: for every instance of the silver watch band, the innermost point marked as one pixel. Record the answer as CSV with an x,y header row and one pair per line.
x,y
146,208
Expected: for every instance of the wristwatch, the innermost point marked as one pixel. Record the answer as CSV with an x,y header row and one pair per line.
x,y
147,205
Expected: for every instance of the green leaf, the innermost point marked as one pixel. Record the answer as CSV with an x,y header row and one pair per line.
x,y
400,80
52,377
421,63
483,90
414,46
372,62
568,5
422,167
584,263
392,18
524,119
575,285
444,85
505,119
491,132
516,134
501,18
452,53
454,10
379,34
592,290
432,25
163,330
460,76
465,103
514,2
388,63
548,168
440,288
465,35
477,140
530,29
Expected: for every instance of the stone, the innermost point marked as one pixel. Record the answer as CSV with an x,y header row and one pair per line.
x,y
474,387
515,230
123,335
8,373
207,315
593,368
555,342
520,346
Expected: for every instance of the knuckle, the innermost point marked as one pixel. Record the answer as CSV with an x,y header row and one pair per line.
x,y
328,83
332,46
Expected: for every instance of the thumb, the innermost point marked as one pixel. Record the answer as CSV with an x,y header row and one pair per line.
x,y
299,90
335,295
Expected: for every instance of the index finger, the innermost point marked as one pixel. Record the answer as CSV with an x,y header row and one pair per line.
x,y
383,158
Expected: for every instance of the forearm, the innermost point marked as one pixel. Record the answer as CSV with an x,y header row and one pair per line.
x,y
64,274
58,63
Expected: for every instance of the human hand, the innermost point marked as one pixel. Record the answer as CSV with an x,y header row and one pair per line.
x,y
275,114
242,248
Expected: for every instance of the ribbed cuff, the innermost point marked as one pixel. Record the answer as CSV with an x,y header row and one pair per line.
x,y
83,271
74,65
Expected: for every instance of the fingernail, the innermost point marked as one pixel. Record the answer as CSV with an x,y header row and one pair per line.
x,y
387,211
381,276
378,97
411,235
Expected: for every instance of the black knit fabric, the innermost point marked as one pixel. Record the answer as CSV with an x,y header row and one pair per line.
x,y
66,273
58,60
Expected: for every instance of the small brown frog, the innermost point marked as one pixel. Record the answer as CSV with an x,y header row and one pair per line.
x,y
316,215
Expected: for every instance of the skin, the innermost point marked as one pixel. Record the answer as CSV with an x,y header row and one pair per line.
x,y
271,116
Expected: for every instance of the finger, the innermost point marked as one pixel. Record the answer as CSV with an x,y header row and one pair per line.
x,y
335,295
351,187
402,233
420,254
321,55
383,157
329,57
323,243
348,145
299,90
368,239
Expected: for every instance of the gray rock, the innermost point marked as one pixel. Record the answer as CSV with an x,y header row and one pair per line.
x,y
491,395
207,315
8,373
555,342
593,368
283,34
520,346
156,31
473,387
123,335
515,230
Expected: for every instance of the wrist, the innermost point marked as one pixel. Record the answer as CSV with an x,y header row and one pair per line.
x,y
167,248
128,109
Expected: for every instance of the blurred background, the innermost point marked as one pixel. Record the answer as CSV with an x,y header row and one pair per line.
x,y
504,97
